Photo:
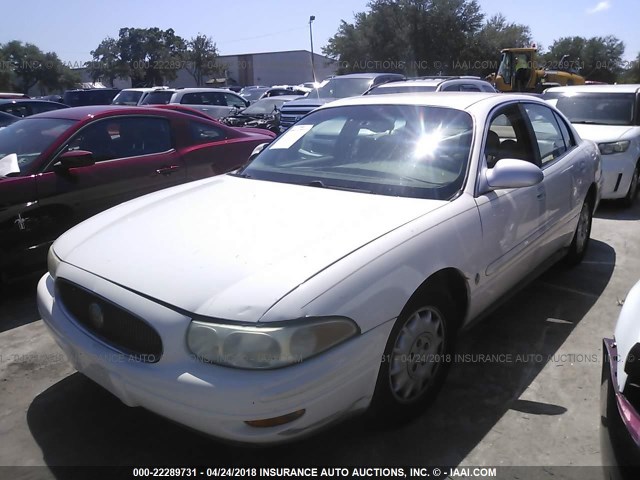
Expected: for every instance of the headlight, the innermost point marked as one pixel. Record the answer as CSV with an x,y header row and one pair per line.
x,y
267,346
53,262
613,147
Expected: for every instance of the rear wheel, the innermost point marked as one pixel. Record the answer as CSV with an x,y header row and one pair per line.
x,y
630,198
417,356
582,235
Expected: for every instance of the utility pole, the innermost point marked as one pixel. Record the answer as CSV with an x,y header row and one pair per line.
x,y
313,67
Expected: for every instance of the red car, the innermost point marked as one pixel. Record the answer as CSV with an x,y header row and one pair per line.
x,y
61,167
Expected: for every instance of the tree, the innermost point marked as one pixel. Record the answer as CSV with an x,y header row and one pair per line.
x,y
413,36
596,58
27,66
496,33
25,61
106,64
5,71
150,56
632,72
201,58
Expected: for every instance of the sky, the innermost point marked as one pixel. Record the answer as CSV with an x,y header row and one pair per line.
x,y
73,28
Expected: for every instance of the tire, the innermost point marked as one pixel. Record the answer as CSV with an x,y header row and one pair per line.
x,y
630,198
582,235
416,358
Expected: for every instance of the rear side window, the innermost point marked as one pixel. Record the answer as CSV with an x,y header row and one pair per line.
x,y
204,98
205,133
549,137
569,141
16,109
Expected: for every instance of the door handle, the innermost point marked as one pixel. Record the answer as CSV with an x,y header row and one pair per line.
x,y
541,194
167,170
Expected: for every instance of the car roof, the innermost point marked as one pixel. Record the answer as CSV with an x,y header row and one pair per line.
x,y
80,113
144,89
202,90
366,75
27,100
620,88
457,100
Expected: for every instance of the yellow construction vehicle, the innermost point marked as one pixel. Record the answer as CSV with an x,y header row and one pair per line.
x,y
520,71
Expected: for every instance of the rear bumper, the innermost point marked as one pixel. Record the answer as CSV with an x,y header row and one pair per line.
x,y
619,422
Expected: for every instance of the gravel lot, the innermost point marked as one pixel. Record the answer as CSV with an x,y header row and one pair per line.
x,y
539,406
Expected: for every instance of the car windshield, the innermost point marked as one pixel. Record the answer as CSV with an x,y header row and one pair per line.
x,y
265,106
253,94
127,98
22,142
342,88
397,150
401,89
158,98
595,108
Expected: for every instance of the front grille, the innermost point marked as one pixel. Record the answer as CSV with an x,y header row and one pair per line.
x,y
113,325
290,116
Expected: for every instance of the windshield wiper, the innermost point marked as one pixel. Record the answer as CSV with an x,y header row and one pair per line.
x,y
321,184
240,175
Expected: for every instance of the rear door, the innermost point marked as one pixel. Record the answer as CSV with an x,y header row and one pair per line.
x,y
133,156
559,162
208,149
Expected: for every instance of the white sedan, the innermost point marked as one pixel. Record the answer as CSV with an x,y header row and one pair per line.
x,y
333,273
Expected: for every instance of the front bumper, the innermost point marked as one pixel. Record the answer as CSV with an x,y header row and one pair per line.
x,y
213,399
619,422
617,170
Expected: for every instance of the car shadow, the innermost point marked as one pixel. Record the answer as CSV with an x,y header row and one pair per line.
x,y
18,302
615,210
76,422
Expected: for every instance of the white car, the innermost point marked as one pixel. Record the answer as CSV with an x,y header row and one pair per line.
x,y
333,273
610,116
134,96
620,391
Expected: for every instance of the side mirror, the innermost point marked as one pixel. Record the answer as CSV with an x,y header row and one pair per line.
x,y
257,150
75,159
513,173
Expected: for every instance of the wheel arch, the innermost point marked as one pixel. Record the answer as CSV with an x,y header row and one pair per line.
x,y
451,280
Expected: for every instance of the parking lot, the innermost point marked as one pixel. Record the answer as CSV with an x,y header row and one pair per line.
x,y
524,390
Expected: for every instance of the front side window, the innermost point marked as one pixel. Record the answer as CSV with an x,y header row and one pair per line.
x,y
398,150
234,101
507,137
548,135
131,97
123,137
157,98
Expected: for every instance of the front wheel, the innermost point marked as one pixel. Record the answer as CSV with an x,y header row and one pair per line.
x,y
582,235
633,188
416,358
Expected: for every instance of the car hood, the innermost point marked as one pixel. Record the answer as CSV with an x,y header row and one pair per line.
x,y
602,133
231,247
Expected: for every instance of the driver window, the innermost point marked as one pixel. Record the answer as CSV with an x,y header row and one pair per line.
x,y
507,137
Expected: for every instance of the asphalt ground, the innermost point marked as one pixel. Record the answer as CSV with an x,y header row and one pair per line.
x,y
524,390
